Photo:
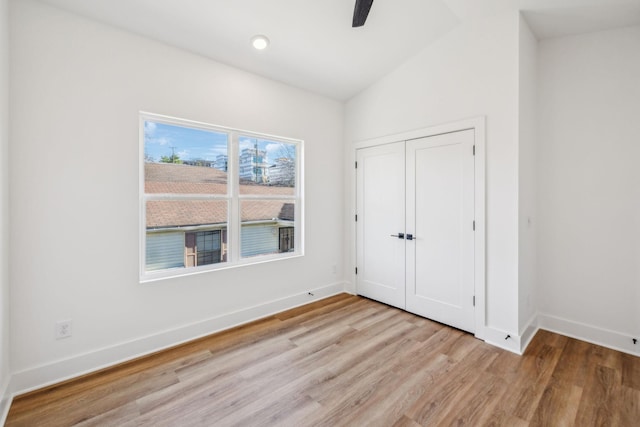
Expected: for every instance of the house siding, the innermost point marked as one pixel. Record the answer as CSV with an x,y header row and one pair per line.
x,y
164,250
258,239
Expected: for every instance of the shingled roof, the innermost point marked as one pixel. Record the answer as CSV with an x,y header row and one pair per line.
x,y
167,178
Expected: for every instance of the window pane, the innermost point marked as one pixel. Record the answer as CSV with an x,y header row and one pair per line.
x,y
182,160
208,247
185,233
262,221
266,167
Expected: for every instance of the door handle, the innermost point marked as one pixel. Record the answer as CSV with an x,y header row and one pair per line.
x,y
411,237
399,235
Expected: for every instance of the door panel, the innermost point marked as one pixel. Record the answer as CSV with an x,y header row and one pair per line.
x,y
440,188
380,203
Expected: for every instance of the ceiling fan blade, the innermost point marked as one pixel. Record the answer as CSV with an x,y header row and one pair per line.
x,y
361,12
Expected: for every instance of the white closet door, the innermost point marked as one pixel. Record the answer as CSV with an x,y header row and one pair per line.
x,y
440,204
380,256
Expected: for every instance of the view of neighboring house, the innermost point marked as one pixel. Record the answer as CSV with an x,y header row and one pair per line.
x,y
193,232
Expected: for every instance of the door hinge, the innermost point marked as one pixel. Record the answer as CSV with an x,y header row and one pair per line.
x,y
474,226
474,150
356,165
356,217
356,270
474,300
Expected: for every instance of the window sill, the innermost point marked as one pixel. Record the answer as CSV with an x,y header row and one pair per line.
x,y
180,272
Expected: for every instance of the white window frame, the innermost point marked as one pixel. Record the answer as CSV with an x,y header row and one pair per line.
x,y
233,198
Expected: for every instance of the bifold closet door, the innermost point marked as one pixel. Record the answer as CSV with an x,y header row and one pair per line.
x,y
380,200
440,215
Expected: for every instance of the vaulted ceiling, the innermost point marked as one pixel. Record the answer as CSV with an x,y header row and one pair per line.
x,y
312,43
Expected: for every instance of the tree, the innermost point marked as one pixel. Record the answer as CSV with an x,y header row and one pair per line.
x,y
283,171
174,158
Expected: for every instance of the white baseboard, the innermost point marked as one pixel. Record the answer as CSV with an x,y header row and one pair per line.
x,y
589,333
510,341
5,402
504,340
528,332
581,331
61,370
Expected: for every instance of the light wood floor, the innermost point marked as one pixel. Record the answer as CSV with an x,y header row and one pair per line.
x,y
353,362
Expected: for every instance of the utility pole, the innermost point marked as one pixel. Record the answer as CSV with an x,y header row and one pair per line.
x,y
255,159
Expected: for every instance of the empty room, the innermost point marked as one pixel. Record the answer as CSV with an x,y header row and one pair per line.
x,y
304,213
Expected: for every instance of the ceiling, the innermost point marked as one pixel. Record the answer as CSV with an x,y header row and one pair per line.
x,y
312,43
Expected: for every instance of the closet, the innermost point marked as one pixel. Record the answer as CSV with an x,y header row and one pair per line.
x,y
415,226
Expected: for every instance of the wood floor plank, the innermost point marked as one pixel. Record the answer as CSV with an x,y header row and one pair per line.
x,y
326,305
384,409
408,374
451,386
530,392
345,314
558,405
630,371
208,383
119,416
272,408
103,398
221,371
405,421
480,398
575,357
599,406
348,361
369,350
629,406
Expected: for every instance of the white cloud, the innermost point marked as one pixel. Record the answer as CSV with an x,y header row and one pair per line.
x,y
149,128
246,143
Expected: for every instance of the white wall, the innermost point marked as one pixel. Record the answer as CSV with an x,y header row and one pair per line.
x,y
589,186
527,130
77,89
472,71
4,203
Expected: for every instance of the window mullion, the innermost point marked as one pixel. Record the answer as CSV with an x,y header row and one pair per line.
x,y
234,203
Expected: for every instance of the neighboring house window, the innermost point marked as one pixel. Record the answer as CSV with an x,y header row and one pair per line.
x,y
203,248
215,197
286,239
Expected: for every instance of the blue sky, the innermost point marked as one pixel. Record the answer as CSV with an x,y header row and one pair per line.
x,y
190,143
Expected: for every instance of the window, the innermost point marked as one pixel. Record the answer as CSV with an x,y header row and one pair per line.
x,y
203,248
286,239
213,197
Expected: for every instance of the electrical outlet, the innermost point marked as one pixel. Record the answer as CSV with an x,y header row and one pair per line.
x,y
63,329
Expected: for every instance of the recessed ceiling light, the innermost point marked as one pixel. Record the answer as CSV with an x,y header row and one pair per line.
x,y
260,42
